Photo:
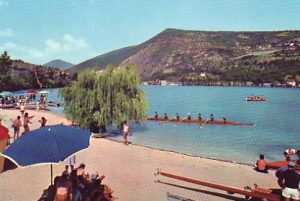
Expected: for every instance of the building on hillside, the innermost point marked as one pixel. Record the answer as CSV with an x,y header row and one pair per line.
x,y
19,72
267,84
291,83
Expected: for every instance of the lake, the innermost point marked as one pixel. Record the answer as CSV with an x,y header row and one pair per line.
x,y
277,125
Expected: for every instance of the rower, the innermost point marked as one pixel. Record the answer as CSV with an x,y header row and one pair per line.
x,y
177,116
165,116
155,115
211,117
199,117
189,117
224,118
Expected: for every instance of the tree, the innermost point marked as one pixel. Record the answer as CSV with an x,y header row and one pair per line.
x,y
5,63
106,98
5,66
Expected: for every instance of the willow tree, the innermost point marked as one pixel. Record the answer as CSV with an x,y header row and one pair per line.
x,y
105,98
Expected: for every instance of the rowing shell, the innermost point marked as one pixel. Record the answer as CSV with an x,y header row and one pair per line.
x,y
196,121
259,193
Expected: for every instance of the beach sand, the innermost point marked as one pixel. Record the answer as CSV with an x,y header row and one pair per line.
x,y
130,170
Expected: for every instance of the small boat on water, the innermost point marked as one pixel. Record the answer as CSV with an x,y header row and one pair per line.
x,y
54,104
29,107
6,106
256,98
196,121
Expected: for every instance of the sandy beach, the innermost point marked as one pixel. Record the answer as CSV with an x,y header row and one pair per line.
x,y
130,170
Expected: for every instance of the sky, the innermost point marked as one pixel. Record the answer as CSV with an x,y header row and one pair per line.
x,y
38,31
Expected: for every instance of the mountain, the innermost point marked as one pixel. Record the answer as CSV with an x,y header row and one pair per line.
x,y
58,64
207,57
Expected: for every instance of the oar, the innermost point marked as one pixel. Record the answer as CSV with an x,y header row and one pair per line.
x,y
201,126
178,122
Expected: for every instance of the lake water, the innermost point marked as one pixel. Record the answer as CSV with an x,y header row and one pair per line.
x,y
277,125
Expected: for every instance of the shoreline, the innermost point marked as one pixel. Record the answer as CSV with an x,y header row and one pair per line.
x,y
184,154
131,168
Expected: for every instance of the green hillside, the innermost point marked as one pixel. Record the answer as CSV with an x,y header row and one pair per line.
x,y
211,58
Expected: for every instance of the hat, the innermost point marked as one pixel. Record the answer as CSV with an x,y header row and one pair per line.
x,y
94,176
291,164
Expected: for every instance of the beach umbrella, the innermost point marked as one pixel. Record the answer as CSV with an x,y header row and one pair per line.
x,y
43,92
47,145
31,92
6,93
19,93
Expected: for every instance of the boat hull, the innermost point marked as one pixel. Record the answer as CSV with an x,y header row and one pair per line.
x,y
196,121
278,164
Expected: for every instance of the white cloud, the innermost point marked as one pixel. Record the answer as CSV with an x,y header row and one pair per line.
x,y
71,43
2,3
8,32
52,45
67,46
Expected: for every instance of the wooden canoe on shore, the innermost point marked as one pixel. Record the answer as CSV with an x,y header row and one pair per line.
x,y
196,121
28,107
278,164
257,193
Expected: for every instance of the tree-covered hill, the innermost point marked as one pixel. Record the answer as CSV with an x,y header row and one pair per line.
x,y
17,74
58,63
207,57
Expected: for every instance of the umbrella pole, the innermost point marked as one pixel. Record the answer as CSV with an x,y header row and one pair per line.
x,y
51,168
51,188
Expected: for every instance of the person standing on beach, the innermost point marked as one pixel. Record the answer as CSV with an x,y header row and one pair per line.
x,y
289,152
125,132
27,121
43,121
22,109
16,125
291,181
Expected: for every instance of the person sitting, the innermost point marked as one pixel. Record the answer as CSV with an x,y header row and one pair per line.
x,y
165,116
211,117
80,171
177,117
64,190
155,115
76,186
224,118
199,117
95,188
261,164
189,117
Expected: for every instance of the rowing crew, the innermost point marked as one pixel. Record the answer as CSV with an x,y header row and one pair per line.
x,y
189,117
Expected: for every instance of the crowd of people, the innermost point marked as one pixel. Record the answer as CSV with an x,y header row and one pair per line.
x,y
24,100
287,176
74,184
17,124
